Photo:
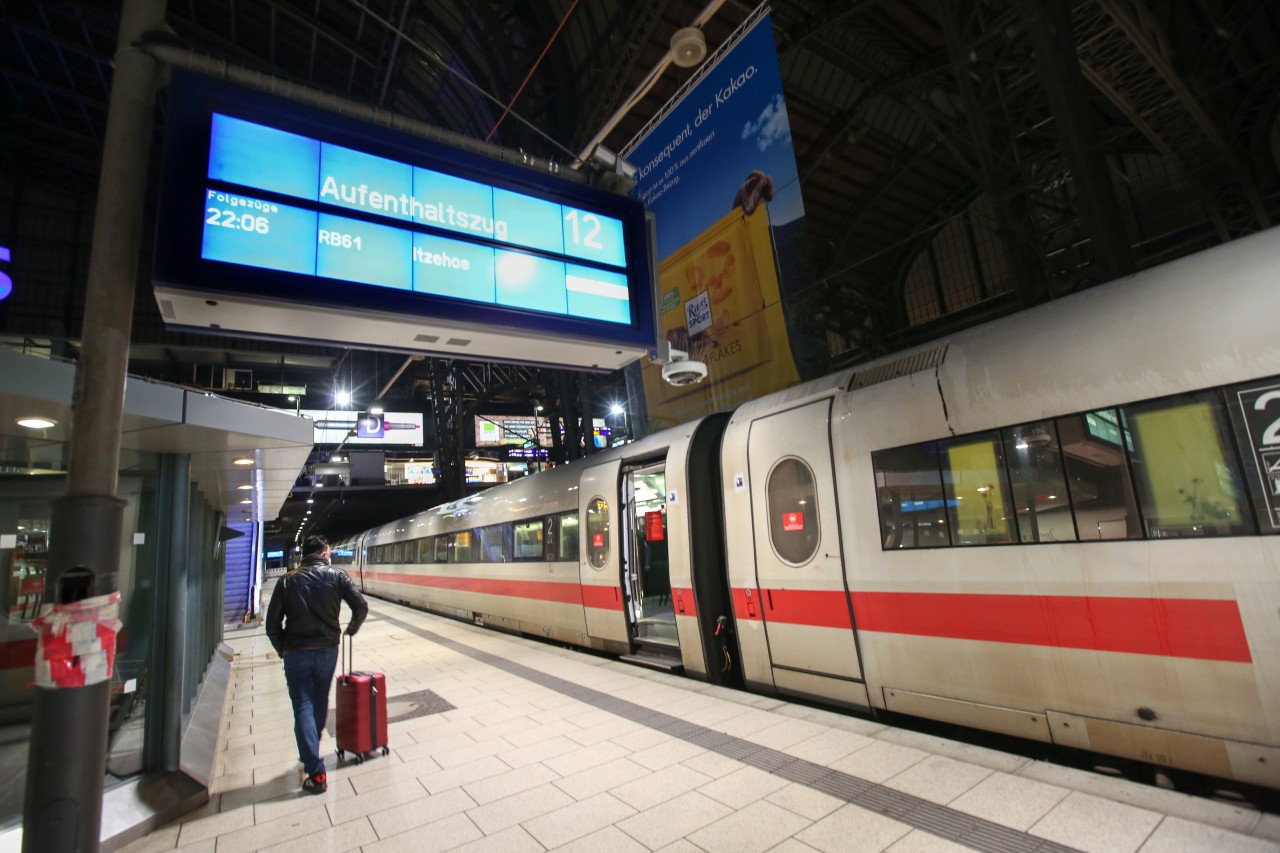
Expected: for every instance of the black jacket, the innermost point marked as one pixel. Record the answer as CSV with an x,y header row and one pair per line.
x,y
305,605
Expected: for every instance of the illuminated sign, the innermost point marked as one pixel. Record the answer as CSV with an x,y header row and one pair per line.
x,y
6,283
525,430
388,241
338,426
239,229
275,555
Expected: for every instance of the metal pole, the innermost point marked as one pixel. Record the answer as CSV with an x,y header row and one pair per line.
x,y
66,763
176,599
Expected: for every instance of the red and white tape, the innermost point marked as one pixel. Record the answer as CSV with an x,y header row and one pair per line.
x,y
77,642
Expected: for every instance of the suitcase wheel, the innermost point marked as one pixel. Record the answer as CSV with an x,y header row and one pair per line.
x,y
341,754
386,750
359,757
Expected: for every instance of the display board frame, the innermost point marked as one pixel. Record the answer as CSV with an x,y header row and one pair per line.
x,y
199,294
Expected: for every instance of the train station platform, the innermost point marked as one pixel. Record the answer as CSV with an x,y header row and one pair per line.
x,y
503,743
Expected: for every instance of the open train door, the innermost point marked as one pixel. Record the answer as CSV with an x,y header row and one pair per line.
x,y
796,524
602,557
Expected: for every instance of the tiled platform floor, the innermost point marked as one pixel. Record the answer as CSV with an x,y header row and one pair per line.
x,y
551,749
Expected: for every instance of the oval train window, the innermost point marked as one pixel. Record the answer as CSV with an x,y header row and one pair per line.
x,y
793,511
598,532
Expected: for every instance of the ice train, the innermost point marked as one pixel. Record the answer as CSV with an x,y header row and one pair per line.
x,y
1063,525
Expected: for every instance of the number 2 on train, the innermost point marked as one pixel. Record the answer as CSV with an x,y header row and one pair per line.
x,y
1272,433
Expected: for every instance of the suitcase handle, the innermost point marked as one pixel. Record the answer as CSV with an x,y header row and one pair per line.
x,y
348,643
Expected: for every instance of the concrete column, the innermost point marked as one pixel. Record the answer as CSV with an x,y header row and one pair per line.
x,y
66,763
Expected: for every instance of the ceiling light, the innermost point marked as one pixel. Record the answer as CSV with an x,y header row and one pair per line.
x,y
377,407
36,422
246,487
243,460
247,501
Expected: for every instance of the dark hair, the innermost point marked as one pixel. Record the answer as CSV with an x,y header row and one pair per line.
x,y
314,545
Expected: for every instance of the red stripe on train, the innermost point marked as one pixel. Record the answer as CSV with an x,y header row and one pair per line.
x,y
1206,629
682,600
602,597
808,607
563,593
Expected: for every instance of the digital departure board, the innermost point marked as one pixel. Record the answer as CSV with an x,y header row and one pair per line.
x,y
275,215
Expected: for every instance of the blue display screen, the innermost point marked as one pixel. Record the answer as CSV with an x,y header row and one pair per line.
x,y
577,266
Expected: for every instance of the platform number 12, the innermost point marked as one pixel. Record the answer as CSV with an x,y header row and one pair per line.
x,y
590,224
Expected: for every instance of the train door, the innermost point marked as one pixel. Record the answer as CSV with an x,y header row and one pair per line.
x,y
647,571
602,558
804,600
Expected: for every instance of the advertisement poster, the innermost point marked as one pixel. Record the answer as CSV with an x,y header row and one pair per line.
x,y
719,174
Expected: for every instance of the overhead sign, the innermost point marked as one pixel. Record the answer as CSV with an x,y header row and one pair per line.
x,y
337,426
284,221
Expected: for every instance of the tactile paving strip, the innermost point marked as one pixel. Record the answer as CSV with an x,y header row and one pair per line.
x,y
973,832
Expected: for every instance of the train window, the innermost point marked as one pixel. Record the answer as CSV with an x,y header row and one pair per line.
x,y
909,491
1188,480
528,539
567,537
433,550
490,544
1094,447
977,499
793,511
598,532
461,547
1040,497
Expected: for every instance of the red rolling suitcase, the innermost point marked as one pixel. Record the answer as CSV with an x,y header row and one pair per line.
x,y
362,711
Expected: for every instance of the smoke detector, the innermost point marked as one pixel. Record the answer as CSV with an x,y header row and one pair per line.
x,y
688,47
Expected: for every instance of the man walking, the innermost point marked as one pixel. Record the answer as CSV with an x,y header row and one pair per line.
x,y
302,625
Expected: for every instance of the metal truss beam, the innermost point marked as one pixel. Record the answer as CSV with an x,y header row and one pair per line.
x,y
976,47
1122,55
1049,24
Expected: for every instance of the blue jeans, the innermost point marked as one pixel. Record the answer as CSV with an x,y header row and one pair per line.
x,y
309,673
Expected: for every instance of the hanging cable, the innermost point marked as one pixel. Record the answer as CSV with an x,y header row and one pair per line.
x,y
430,57
538,62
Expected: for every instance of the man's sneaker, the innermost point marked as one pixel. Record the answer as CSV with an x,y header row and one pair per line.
x,y
316,784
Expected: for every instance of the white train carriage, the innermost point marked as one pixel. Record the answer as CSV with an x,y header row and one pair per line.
x,y
1047,526
601,554
1063,525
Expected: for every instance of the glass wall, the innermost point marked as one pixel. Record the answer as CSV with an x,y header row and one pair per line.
x,y
136,723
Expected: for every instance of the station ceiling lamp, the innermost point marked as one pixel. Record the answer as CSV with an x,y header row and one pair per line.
x,y
36,422
243,460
